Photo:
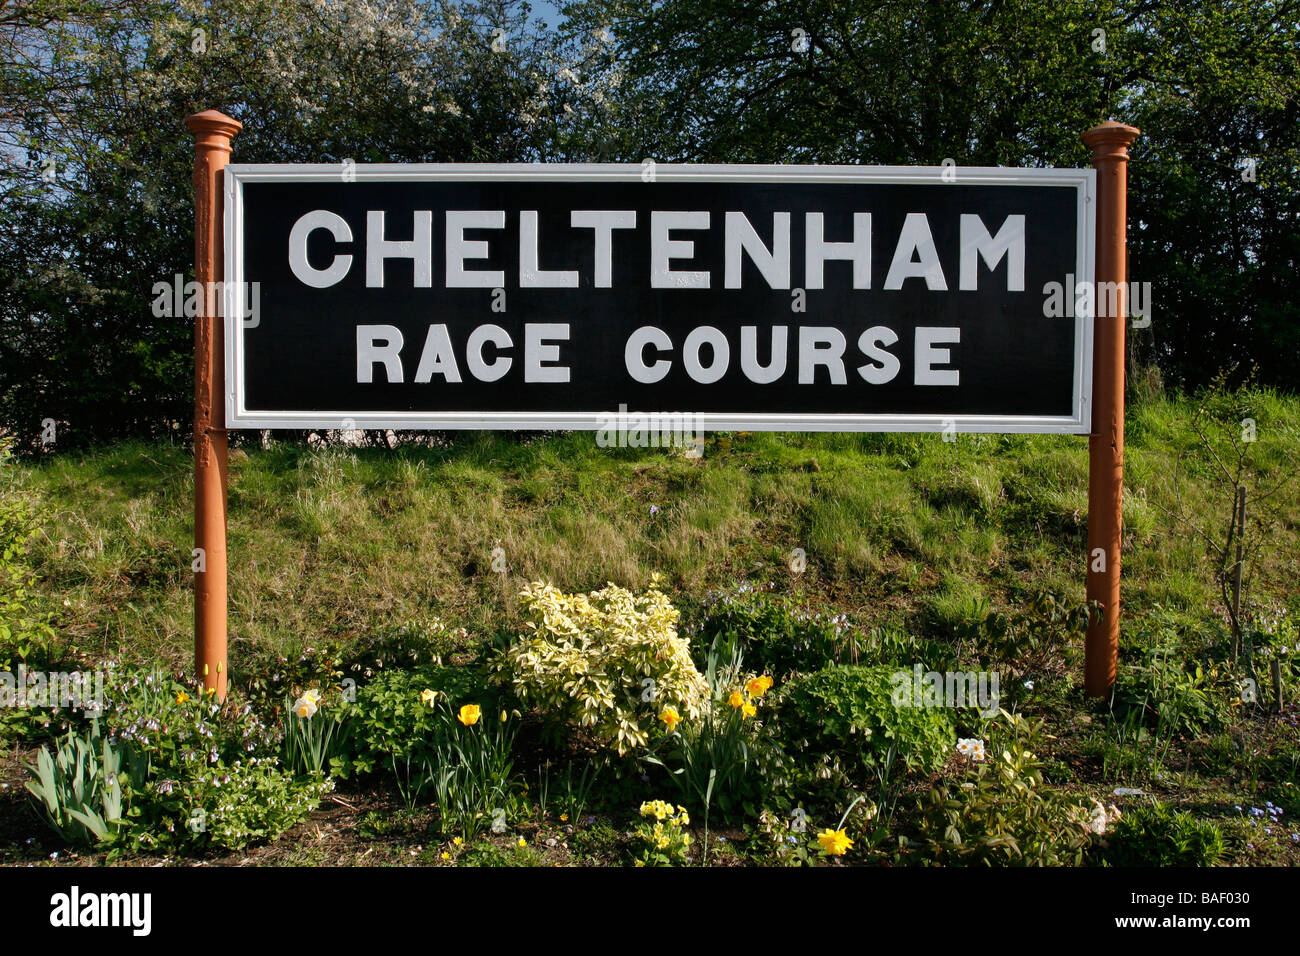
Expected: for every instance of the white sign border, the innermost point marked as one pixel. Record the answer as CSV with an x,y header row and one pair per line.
x,y
1078,422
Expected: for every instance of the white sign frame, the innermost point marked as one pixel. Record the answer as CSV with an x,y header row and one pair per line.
x,y
1078,422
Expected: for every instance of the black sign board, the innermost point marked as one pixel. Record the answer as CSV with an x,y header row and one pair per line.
x,y
802,298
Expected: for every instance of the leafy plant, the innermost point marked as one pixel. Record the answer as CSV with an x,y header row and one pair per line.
x,y
608,660
720,754
782,839
315,736
84,786
230,807
1157,835
469,767
210,774
902,649
411,645
660,835
999,813
1168,694
844,719
392,727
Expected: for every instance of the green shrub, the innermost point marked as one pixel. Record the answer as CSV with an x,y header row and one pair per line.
x,y
390,723
212,771
1157,835
778,636
846,717
1169,694
222,807
999,813
265,677
608,660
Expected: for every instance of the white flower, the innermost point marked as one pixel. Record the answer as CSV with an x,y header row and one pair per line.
x,y
1102,817
304,707
971,747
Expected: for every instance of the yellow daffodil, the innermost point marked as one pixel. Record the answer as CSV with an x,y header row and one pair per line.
x,y
182,697
834,842
469,715
428,696
671,718
758,686
736,699
504,718
748,710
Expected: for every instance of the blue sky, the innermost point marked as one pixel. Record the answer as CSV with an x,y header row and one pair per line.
x,y
546,10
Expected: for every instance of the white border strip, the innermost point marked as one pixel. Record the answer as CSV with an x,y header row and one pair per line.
x,y
1083,180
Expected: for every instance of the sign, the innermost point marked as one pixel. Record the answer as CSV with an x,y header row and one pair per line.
x,y
801,298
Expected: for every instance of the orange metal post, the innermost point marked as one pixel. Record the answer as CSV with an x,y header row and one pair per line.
x,y
213,132
1109,143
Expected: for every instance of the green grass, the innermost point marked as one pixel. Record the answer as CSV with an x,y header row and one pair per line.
x,y
337,543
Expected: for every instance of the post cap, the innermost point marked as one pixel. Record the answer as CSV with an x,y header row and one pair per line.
x,y
213,121
1111,136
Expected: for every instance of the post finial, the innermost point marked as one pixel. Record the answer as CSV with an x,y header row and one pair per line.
x,y
1110,140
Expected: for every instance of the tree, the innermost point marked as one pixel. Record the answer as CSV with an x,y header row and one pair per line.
x,y
104,89
1010,82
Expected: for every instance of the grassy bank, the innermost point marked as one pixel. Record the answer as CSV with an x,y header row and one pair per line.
x,y
337,543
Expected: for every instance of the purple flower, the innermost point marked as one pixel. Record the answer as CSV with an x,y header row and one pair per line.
x,y
654,509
